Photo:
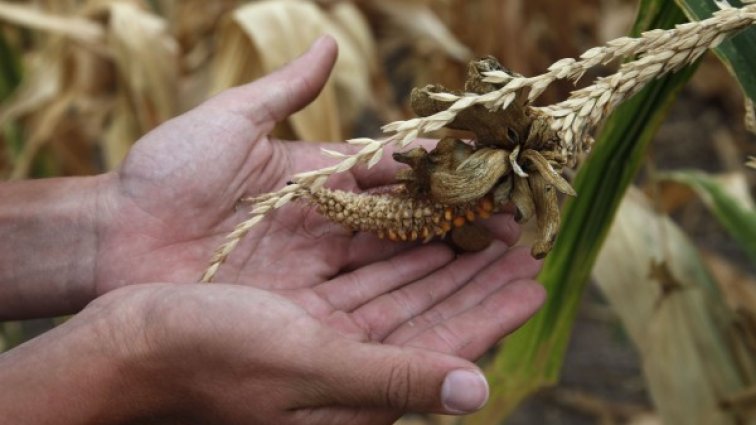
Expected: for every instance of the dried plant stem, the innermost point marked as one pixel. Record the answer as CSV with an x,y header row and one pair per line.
x,y
256,215
660,51
75,27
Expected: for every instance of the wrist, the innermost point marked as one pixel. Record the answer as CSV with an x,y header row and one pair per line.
x,y
48,245
75,374
152,383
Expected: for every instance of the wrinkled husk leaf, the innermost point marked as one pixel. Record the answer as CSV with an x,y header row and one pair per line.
x,y
693,354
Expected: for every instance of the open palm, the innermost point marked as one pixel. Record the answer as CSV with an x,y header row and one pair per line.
x,y
175,197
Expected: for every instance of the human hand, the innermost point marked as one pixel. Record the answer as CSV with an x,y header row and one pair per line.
x,y
228,354
170,218
175,197
355,290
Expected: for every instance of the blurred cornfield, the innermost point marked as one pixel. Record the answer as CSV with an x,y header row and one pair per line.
x,y
655,270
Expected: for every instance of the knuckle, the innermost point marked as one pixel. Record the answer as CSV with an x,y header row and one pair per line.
x,y
452,341
399,386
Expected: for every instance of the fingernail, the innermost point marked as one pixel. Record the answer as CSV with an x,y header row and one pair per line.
x,y
464,391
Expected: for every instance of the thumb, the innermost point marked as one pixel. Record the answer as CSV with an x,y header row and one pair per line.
x,y
403,379
276,96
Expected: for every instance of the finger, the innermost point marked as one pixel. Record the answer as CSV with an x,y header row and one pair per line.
x,y
470,334
399,379
387,312
284,92
222,129
191,141
366,248
348,291
339,415
515,265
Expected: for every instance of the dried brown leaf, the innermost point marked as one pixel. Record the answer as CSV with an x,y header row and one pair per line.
x,y
739,288
420,21
40,85
653,278
472,179
119,135
146,56
352,74
547,214
74,27
263,36
46,123
522,198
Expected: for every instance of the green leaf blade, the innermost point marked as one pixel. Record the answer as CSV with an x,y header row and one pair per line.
x,y
739,221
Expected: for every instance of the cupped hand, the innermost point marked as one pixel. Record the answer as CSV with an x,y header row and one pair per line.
x,y
229,354
175,199
333,327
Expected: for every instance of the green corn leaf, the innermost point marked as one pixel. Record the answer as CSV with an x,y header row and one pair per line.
x,y
532,357
739,220
737,53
